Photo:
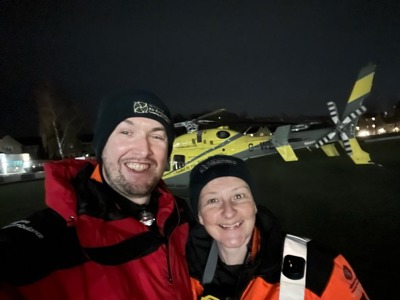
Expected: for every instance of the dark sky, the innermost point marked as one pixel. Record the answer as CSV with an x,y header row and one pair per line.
x,y
261,57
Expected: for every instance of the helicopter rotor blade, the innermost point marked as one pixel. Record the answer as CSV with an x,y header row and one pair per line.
x,y
205,116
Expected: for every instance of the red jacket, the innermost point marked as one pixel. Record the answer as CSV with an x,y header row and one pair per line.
x,y
86,247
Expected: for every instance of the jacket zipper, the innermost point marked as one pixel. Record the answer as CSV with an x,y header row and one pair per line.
x,y
170,280
170,277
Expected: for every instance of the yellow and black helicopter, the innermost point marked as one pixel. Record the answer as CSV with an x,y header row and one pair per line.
x,y
197,144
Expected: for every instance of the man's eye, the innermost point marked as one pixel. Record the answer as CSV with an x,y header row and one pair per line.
x,y
159,137
125,132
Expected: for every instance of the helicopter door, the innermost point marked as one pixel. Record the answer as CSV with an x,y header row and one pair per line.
x,y
178,161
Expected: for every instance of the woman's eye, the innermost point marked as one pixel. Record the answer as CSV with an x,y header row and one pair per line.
x,y
239,196
211,201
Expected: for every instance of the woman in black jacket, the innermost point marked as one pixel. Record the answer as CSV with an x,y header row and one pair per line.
x,y
239,252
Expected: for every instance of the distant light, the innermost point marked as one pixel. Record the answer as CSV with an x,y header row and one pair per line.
x,y
363,133
14,163
373,118
381,131
373,125
357,128
396,129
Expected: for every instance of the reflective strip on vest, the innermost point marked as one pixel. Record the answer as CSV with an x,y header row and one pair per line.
x,y
293,289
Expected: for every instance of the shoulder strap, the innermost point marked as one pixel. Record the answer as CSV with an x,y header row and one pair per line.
x,y
294,266
211,264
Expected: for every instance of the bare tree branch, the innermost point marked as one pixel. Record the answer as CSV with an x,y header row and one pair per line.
x,y
59,121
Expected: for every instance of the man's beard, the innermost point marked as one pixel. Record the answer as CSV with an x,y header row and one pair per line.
x,y
117,181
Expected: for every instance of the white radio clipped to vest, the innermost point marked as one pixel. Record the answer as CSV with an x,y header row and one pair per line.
x,y
294,268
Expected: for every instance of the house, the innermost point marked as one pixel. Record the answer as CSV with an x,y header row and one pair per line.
x,y
9,145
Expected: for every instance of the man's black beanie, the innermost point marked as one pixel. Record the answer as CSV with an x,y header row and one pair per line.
x,y
136,103
212,168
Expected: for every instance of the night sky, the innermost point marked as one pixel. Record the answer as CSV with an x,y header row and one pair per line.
x,y
265,58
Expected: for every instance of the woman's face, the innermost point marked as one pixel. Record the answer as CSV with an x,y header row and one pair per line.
x,y
228,211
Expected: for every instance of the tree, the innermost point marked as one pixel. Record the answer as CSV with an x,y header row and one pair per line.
x,y
60,121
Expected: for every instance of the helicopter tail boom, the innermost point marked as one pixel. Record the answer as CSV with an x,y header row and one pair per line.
x,y
344,129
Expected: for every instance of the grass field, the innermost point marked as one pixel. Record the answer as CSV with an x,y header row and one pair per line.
x,y
352,208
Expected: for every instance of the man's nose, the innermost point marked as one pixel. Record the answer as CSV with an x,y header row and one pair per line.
x,y
141,146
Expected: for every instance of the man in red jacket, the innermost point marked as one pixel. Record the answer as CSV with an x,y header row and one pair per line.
x,y
112,229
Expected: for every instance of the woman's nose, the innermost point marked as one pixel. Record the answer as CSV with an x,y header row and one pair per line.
x,y
228,209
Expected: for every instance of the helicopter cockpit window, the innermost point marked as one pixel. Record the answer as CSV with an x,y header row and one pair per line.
x,y
222,134
178,162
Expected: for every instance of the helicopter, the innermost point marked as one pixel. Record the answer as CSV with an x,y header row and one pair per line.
x,y
197,144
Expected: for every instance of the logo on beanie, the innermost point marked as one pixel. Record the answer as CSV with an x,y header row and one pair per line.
x,y
140,107
221,161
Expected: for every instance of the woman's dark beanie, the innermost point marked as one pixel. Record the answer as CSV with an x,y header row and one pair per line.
x,y
212,168
136,103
